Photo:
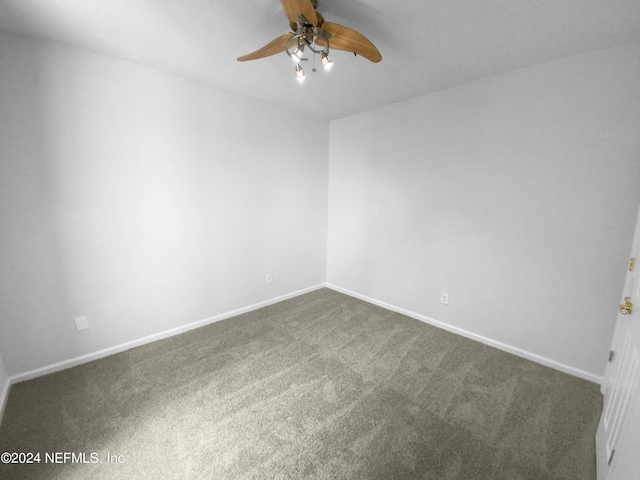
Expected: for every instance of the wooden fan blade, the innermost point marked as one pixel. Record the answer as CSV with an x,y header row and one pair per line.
x,y
344,38
293,7
276,45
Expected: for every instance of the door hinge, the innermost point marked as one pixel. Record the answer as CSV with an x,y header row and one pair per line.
x,y
612,354
613,452
627,307
632,263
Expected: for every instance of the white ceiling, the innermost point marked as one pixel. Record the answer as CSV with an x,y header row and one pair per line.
x,y
426,45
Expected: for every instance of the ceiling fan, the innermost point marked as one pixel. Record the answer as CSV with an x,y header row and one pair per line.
x,y
312,32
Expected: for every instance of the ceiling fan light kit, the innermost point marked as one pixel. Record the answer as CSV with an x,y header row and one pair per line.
x,y
312,33
307,36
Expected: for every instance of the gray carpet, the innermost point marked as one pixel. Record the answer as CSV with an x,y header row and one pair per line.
x,y
322,386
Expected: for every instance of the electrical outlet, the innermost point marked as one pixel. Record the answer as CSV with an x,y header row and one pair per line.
x,y
269,278
444,298
81,323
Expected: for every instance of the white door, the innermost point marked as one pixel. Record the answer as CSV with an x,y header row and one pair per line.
x,y
618,436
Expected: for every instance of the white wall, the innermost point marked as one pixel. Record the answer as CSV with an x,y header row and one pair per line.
x,y
143,201
146,202
516,195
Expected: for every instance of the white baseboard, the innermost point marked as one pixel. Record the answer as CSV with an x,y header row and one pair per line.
x,y
72,362
4,393
473,336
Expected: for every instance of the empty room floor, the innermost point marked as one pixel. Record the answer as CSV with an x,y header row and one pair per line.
x,y
321,386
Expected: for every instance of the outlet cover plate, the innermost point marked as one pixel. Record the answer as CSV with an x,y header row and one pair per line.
x,y
81,323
